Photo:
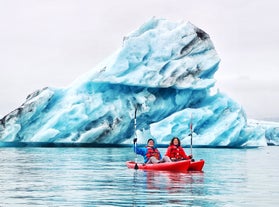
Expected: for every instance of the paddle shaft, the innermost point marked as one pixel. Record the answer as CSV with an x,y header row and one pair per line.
x,y
135,144
191,139
191,134
135,123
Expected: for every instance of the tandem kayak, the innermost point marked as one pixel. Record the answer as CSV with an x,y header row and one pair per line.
x,y
182,165
196,165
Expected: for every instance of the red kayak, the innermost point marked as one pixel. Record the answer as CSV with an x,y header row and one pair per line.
x,y
182,165
196,165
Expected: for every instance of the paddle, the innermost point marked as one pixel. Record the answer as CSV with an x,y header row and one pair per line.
x,y
191,134
135,139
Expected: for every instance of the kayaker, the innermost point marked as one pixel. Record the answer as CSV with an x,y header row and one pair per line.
x,y
175,152
150,153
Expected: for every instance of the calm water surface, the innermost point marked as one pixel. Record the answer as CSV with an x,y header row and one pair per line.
x,y
99,177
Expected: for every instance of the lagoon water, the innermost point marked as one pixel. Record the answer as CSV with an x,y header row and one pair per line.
x,y
35,176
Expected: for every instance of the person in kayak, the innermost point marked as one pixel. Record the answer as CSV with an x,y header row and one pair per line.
x,y
150,153
175,152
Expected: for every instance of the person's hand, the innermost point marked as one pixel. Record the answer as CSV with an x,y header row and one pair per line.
x,y
135,140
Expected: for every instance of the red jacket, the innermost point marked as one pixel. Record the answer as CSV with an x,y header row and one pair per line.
x,y
175,152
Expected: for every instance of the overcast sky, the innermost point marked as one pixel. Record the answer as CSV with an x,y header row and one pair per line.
x,y
52,42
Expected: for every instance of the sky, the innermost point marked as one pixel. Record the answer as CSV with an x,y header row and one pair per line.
x,y
53,42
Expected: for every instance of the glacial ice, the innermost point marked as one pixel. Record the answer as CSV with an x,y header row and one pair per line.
x,y
166,70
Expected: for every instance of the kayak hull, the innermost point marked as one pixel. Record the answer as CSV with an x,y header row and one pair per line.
x,y
196,165
165,166
184,165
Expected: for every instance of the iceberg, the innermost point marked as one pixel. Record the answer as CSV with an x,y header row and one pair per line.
x,y
164,69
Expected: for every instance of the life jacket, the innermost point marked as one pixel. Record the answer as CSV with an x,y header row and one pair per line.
x,y
175,152
151,151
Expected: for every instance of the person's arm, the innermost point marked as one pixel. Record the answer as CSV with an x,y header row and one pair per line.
x,y
168,152
139,151
183,154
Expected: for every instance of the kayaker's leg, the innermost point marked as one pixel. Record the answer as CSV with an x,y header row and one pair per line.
x,y
152,160
165,159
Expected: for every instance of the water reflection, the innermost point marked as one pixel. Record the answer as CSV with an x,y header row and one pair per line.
x,y
172,187
174,182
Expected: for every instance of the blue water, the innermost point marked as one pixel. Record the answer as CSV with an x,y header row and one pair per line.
x,y
98,177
